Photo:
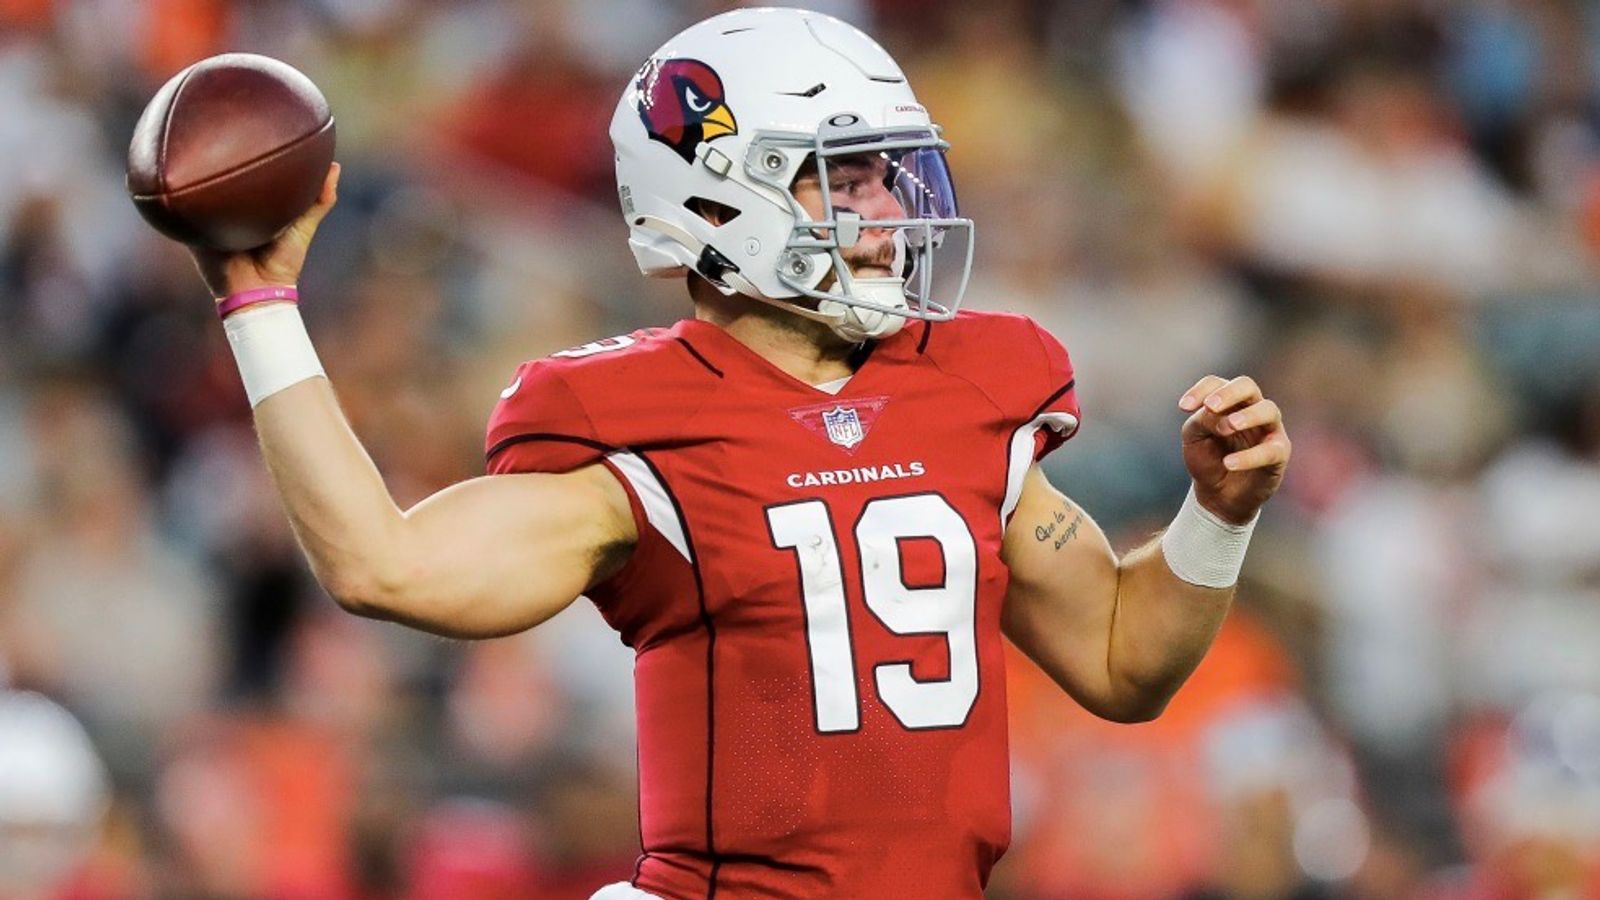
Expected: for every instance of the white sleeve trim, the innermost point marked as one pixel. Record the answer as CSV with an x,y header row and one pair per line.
x,y
653,496
1021,456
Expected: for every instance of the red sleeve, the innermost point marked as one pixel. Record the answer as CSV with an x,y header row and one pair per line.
x,y
1057,393
540,425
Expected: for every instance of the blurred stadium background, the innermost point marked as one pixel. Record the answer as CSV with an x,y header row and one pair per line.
x,y
1387,210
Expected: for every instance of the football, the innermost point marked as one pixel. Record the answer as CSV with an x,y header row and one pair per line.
x,y
230,151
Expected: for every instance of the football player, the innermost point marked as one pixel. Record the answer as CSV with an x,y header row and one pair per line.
x,y
813,509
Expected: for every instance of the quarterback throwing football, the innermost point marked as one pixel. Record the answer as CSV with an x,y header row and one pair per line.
x,y
813,509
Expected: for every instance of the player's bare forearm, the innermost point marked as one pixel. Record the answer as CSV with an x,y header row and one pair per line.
x,y
1161,628
486,557
347,523
1123,635
1120,636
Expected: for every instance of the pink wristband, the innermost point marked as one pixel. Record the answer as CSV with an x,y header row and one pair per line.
x,y
235,302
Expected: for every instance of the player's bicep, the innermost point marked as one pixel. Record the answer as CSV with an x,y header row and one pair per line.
x,y
499,554
1063,590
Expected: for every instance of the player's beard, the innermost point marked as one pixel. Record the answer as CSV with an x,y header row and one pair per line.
x,y
877,258
880,255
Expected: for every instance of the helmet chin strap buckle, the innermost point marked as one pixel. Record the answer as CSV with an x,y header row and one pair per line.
x,y
713,266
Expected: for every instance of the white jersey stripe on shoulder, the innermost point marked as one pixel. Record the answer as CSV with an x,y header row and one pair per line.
x,y
1021,456
653,497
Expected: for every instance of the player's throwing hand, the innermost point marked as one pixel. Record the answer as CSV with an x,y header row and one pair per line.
x,y
270,265
1234,444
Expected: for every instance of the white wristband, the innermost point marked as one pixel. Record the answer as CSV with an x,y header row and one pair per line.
x,y
272,349
1202,549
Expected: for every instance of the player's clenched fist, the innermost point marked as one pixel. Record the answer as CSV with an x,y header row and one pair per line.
x,y
1234,444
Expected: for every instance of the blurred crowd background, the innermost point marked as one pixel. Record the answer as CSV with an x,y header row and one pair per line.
x,y
1388,211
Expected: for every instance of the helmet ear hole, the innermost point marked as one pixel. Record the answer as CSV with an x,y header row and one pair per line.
x,y
712,211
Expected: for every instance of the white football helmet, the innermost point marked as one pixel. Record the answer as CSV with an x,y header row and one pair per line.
x,y
724,115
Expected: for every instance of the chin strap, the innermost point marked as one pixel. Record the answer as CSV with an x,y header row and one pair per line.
x,y
710,263
858,323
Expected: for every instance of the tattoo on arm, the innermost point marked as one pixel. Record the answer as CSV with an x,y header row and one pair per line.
x,y
1058,531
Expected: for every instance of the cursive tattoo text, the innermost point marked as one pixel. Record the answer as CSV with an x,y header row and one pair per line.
x,y
1058,531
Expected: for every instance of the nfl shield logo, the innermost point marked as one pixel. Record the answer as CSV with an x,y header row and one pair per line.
x,y
844,426
845,423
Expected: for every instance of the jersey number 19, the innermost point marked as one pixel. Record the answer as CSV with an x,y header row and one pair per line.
x,y
948,609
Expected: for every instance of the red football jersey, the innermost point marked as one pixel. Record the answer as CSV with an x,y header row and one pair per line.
x,y
815,597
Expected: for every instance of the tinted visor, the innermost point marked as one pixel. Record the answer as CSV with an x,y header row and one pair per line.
x,y
920,180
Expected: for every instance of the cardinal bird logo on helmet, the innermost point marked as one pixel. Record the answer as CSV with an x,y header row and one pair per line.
x,y
681,104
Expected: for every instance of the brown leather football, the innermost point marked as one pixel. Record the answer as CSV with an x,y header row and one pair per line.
x,y
230,151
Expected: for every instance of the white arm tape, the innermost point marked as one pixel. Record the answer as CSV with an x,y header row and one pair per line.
x,y
272,349
1202,549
